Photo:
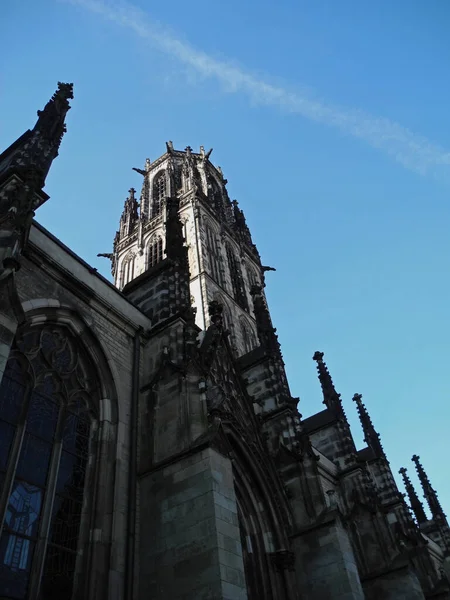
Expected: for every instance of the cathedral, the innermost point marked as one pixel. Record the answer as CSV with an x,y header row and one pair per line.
x,y
150,447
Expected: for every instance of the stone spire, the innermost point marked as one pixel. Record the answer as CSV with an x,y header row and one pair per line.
x,y
129,216
347,454
371,437
36,149
331,398
24,167
415,503
428,491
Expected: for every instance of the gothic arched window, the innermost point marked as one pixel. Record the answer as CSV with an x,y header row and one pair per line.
x,y
154,252
217,199
248,336
237,282
128,269
159,193
47,394
228,323
251,275
213,253
177,179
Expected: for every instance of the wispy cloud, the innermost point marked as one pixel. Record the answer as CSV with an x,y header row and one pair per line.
x,y
412,151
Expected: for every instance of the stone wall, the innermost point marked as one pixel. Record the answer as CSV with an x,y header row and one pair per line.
x,y
325,563
189,536
55,284
396,585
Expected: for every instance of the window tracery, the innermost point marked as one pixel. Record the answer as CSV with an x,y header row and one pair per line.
x,y
251,275
159,193
154,252
46,414
237,281
216,198
248,336
214,255
128,269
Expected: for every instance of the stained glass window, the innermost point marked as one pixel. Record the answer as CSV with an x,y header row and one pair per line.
x,y
43,401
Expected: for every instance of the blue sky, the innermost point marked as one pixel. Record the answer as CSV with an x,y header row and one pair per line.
x,y
329,120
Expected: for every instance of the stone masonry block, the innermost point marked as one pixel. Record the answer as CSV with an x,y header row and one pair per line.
x,y
230,559
195,469
233,592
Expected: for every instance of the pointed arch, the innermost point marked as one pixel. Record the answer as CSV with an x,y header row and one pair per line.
x,y
264,518
127,269
213,252
228,322
251,275
154,251
237,282
60,379
216,197
159,192
248,336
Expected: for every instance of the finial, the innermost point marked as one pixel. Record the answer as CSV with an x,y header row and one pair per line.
x,y
43,142
60,99
371,437
415,503
24,167
169,147
50,123
188,150
428,491
132,192
331,398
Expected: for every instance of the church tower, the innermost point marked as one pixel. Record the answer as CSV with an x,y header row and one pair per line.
x,y
224,264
